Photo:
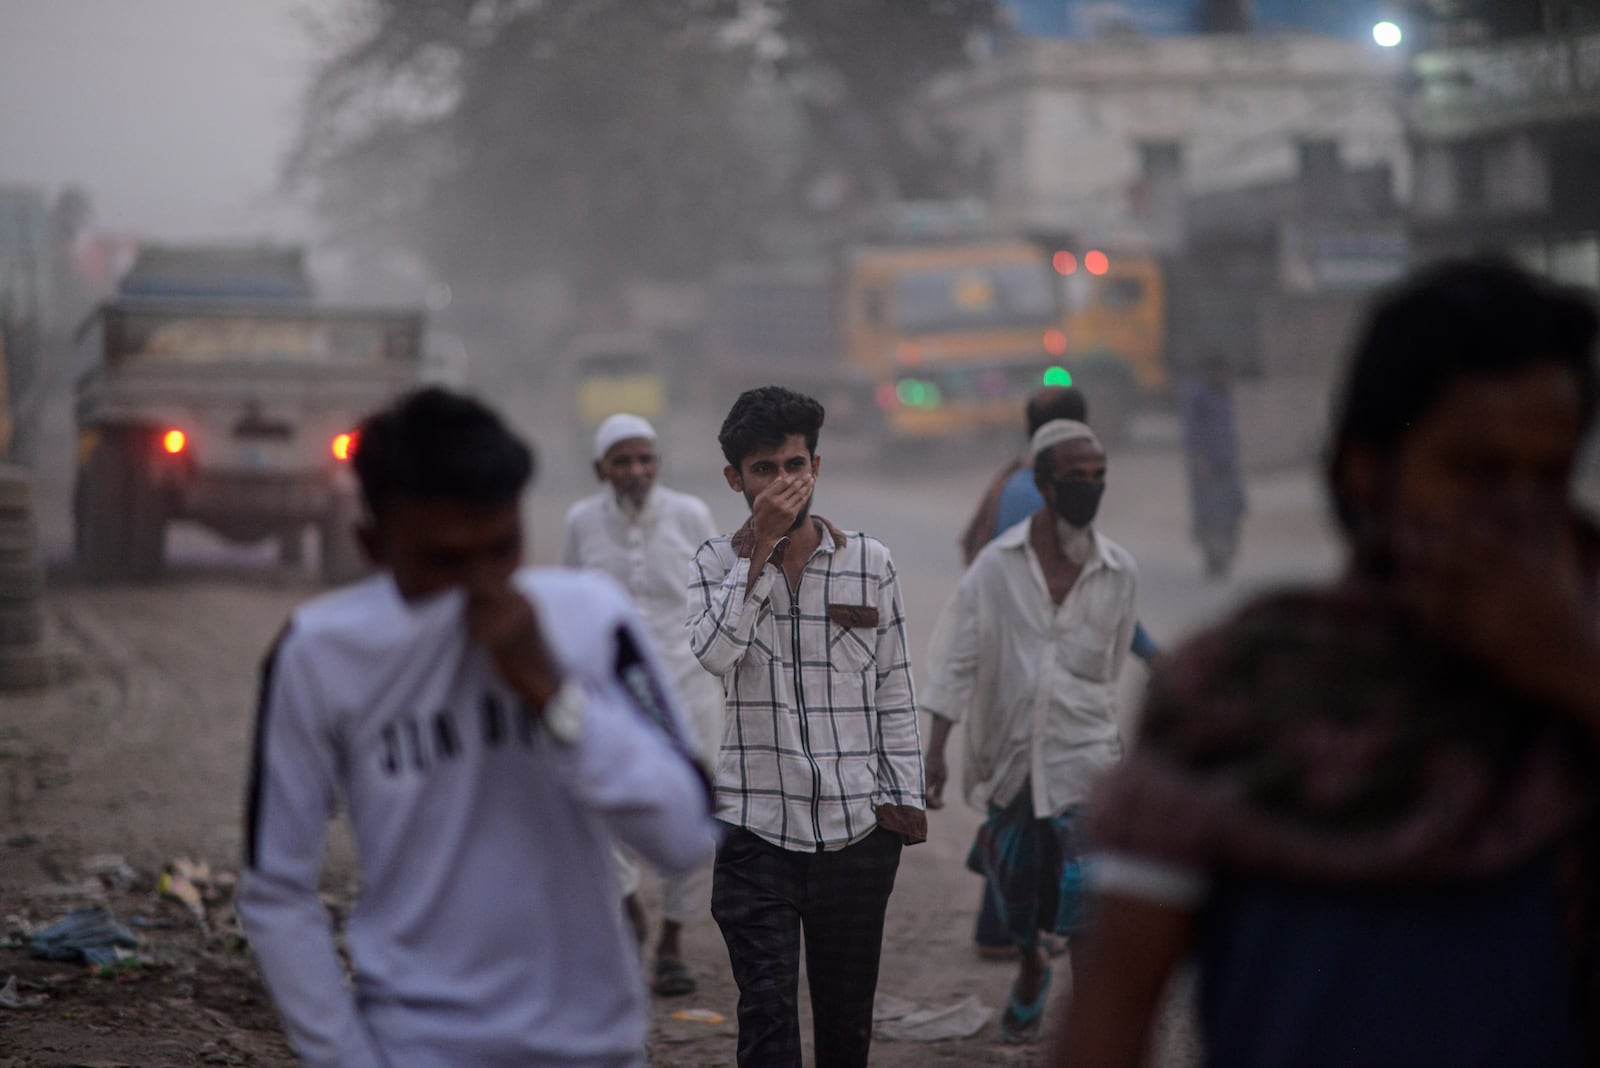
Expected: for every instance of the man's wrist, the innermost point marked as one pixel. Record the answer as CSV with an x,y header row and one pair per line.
x,y
537,688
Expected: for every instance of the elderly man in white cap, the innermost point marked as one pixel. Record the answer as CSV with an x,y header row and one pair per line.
x,y
1027,653
645,536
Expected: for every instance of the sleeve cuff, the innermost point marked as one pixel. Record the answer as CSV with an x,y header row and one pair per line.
x,y
1152,881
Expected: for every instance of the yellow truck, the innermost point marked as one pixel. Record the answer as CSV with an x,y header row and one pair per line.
x,y
612,373
913,341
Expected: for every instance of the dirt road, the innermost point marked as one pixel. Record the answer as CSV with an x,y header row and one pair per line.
x,y
142,752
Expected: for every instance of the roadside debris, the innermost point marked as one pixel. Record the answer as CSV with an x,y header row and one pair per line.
x,y
11,999
897,1020
90,935
113,872
195,885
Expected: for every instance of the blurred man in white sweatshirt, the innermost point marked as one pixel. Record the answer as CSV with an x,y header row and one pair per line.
x,y
491,734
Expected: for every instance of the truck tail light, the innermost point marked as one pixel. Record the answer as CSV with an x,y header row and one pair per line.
x,y
344,446
174,442
1055,342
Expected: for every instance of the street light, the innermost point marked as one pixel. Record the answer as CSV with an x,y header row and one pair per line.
x,y
1388,34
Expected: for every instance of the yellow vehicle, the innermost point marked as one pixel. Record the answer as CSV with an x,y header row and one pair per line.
x,y
1115,319
615,373
920,341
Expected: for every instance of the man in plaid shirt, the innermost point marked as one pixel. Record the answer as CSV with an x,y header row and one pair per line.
x,y
819,781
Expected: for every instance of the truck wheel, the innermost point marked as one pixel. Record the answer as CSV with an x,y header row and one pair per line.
x,y
342,560
16,491
147,512
17,540
100,511
21,623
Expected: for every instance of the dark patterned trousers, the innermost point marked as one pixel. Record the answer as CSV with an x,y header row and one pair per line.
x,y
763,896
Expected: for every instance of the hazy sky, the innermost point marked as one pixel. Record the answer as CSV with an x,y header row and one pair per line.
x,y
175,115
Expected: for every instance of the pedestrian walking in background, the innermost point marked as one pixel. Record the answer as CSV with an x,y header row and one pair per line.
x,y
1027,654
1012,498
1368,810
819,781
1211,447
645,535
490,732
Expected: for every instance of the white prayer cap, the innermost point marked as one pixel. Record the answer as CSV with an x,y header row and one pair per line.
x,y
1058,432
621,427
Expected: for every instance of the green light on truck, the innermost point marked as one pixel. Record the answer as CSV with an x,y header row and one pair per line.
x,y
915,393
1058,376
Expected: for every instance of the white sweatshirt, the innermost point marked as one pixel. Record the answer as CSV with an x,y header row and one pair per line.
x,y
488,930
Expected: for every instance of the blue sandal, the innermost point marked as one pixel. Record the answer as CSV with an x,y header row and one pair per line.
x,y
1019,1024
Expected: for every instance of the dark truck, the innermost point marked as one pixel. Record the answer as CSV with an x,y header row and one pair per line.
x,y
227,396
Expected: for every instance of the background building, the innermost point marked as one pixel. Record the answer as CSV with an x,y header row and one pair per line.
x,y
1087,18
1101,140
1506,136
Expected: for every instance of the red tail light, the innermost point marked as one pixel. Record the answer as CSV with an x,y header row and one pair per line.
x,y
344,446
174,441
1055,342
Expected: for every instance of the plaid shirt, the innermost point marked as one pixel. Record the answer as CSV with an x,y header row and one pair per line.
x,y
821,724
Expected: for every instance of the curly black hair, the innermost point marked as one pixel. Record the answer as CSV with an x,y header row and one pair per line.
x,y
762,418
432,444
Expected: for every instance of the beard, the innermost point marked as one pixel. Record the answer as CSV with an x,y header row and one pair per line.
x,y
633,495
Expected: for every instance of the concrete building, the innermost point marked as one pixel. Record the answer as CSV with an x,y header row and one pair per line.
x,y
1103,139
1087,18
1506,136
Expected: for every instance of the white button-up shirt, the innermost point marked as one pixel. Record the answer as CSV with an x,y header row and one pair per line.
x,y
1034,681
651,555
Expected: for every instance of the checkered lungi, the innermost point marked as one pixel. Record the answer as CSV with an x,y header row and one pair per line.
x,y
1034,867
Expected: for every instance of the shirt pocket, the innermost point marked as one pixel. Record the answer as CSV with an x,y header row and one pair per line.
x,y
852,636
1089,649
1088,655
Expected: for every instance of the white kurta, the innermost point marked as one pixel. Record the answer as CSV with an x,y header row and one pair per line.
x,y
1035,682
651,555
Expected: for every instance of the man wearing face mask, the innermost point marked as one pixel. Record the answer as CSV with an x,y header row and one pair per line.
x,y
645,535
1027,654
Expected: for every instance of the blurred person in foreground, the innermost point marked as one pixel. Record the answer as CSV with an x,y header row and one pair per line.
x,y
1211,447
1367,810
491,732
645,535
1026,655
819,781
1013,497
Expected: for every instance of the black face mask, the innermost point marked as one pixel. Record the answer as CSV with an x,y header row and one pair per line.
x,y
1077,502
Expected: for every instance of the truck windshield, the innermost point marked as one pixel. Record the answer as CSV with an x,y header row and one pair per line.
x,y
184,339
974,298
